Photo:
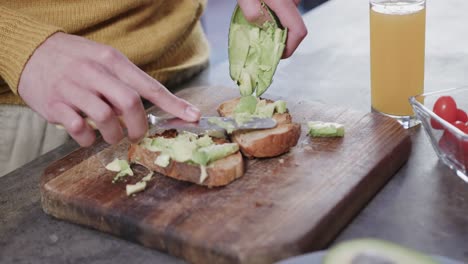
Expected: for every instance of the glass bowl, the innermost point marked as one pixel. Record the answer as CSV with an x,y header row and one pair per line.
x,y
449,142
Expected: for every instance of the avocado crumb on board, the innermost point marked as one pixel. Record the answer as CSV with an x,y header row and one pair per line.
x,y
325,129
121,167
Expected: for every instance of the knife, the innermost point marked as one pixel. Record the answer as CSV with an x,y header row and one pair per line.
x,y
212,125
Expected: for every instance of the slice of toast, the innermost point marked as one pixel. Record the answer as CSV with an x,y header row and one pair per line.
x,y
264,143
219,173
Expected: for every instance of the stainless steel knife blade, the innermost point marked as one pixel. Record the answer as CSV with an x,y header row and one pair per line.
x,y
210,124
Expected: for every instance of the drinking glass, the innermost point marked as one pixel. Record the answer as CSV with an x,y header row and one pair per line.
x,y
397,49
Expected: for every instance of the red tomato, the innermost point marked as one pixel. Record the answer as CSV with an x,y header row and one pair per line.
x,y
462,116
461,125
453,146
448,143
446,108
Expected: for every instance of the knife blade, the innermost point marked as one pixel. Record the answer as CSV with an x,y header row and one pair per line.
x,y
212,125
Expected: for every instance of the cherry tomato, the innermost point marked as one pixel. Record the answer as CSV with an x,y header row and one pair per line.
x,y
462,151
453,146
446,108
461,125
448,143
462,116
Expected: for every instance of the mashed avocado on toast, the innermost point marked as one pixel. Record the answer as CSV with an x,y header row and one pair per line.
x,y
254,52
190,148
255,107
249,107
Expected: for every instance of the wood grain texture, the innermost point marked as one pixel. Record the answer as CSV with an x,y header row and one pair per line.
x,y
281,207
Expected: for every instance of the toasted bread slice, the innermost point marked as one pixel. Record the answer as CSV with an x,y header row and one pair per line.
x,y
264,143
219,173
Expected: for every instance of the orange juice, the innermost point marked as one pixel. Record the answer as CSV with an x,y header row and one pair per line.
x,y
397,37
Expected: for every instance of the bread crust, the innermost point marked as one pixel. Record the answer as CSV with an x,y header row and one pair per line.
x,y
264,143
271,142
220,172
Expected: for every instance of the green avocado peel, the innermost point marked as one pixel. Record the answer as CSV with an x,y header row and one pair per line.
x,y
254,52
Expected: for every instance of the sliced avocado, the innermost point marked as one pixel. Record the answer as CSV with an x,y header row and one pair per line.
x,y
124,166
120,166
254,51
264,109
188,147
134,188
203,173
374,251
280,107
148,177
205,141
163,160
114,165
247,104
205,155
250,107
216,152
159,144
245,109
200,157
325,129
181,150
245,83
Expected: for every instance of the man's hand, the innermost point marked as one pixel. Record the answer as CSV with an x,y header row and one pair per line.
x,y
287,12
68,76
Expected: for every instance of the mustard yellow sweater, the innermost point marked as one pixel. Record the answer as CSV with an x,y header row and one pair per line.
x,y
164,38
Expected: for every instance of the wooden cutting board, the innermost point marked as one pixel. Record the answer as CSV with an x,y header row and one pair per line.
x,y
281,207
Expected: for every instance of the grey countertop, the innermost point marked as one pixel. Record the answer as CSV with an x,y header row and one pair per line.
x,y
424,206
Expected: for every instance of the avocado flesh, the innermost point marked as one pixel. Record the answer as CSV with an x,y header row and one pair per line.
x,y
325,129
121,167
208,154
163,160
247,104
188,147
374,251
280,107
250,107
254,52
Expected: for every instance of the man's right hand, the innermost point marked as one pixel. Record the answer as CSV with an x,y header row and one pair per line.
x,y
68,76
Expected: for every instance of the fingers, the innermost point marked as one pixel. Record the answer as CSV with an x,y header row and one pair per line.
x,y
254,12
128,103
291,19
97,110
170,103
75,125
154,91
122,99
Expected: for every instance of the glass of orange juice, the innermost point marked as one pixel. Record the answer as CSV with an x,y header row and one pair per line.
x,y
397,48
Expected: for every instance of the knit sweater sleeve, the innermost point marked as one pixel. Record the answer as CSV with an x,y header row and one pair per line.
x,y
19,38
